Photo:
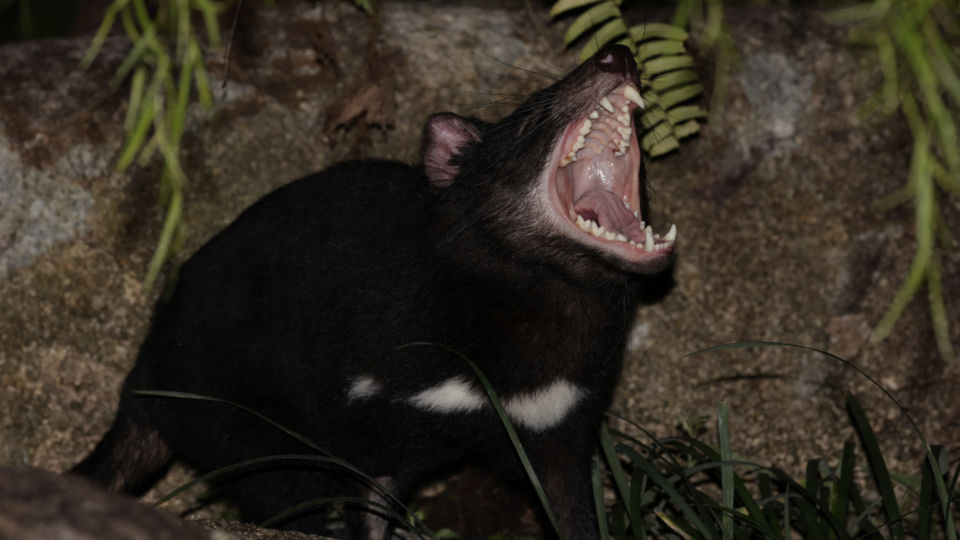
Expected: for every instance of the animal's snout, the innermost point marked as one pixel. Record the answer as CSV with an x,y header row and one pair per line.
x,y
616,59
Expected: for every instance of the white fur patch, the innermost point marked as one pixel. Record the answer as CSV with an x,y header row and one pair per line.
x,y
453,395
538,410
543,408
363,387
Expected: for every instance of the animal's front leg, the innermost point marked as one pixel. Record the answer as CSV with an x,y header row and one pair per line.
x,y
563,466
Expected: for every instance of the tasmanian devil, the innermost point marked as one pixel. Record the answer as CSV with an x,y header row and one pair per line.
x,y
341,306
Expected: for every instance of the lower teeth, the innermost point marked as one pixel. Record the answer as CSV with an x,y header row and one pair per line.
x,y
652,242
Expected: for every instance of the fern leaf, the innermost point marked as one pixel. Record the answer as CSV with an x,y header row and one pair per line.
x,y
590,18
604,35
660,47
680,95
686,129
664,64
671,79
566,5
643,32
678,115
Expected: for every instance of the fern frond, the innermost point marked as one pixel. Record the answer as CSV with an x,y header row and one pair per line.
x,y
668,81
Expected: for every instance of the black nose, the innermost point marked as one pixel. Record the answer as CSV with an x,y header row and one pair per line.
x,y
616,59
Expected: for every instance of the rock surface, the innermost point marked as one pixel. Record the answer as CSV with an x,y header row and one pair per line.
x,y
40,505
772,201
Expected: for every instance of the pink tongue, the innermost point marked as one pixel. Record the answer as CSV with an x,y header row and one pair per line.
x,y
606,208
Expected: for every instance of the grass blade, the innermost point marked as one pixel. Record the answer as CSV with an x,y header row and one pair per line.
x,y
657,478
325,457
841,492
383,509
925,502
726,470
598,504
200,397
613,462
878,467
507,425
625,489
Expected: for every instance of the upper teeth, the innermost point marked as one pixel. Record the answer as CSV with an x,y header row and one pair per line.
x,y
624,129
631,94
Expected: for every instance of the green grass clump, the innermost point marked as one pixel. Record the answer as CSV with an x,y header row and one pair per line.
x,y
681,487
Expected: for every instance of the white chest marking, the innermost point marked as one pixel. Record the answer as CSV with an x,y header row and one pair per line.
x,y
363,387
545,407
451,396
538,410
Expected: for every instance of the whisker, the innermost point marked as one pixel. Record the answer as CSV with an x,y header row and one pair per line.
x,y
548,76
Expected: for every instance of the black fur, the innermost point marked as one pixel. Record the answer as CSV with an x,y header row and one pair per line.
x,y
326,279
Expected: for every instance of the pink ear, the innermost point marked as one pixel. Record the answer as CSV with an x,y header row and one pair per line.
x,y
444,137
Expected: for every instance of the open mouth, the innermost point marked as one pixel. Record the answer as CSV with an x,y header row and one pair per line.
x,y
596,181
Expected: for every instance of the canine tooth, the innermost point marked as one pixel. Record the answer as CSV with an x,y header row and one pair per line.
x,y
585,128
594,115
605,103
671,234
631,94
648,245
